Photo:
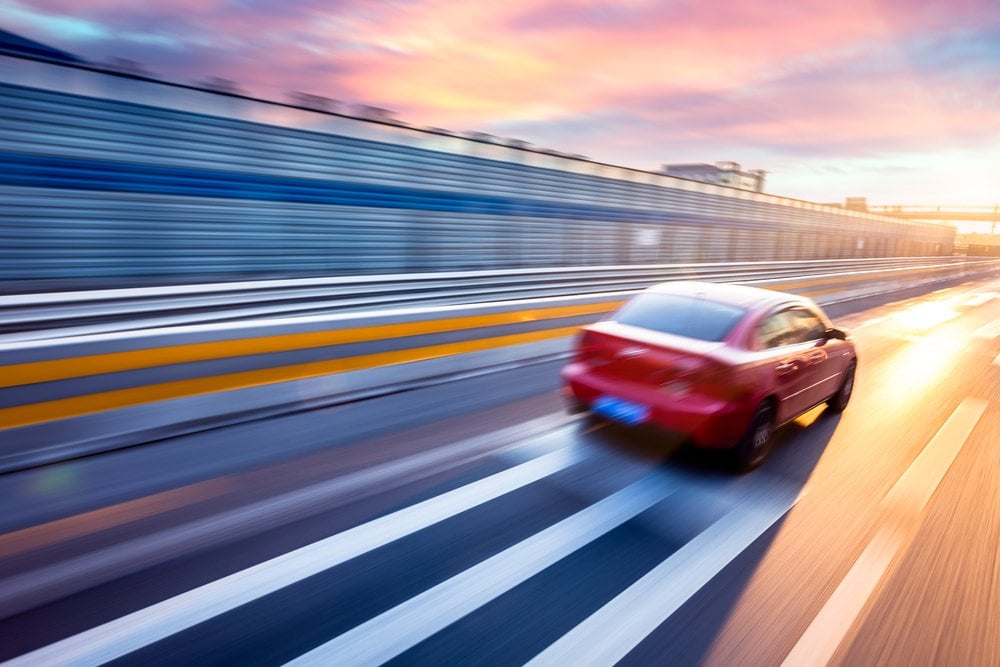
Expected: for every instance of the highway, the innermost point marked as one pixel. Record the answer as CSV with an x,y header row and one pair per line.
x,y
475,522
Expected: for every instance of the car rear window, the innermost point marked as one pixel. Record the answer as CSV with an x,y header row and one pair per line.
x,y
689,316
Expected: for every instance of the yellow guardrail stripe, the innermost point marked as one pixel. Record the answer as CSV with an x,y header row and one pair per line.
x,y
41,371
36,413
63,369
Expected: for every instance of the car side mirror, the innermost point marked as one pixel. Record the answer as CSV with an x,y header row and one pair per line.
x,y
835,333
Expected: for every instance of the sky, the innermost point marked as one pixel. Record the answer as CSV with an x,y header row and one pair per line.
x,y
895,100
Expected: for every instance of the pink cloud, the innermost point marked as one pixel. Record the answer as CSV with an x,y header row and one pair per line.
x,y
634,81
462,63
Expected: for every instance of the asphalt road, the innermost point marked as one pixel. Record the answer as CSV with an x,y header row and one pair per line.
x,y
476,523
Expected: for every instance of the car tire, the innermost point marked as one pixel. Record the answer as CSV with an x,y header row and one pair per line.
x,y
839,400
755,446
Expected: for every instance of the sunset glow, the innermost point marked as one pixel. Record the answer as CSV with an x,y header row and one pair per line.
x,y
895,100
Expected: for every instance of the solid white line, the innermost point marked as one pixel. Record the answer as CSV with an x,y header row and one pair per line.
x,y
871,322
58,580
996,360
989,331
141,628
835,619
979,299
908,497
389,634
912,491
607,635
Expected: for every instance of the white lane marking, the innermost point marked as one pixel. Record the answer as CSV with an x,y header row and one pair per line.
x,y
989,331
908,497
607,635
389,634
912,491
141,628
835,619
21,592
979,299
871,322
996,360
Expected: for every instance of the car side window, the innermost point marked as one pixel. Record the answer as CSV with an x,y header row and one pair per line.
x,y
809,324
776,330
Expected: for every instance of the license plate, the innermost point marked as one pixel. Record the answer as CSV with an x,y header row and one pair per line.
x,y
621,410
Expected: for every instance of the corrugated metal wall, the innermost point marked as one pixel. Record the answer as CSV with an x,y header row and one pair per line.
x,y
100,186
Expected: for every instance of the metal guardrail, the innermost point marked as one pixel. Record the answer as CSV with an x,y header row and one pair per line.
x,y
37,316
71,396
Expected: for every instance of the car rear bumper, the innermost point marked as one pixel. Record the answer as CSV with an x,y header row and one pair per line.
x,y
706,421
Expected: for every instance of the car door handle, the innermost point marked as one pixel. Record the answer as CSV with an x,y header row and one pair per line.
x,y
785,368
816,357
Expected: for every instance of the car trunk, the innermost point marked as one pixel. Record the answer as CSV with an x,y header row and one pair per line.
x,y
644,356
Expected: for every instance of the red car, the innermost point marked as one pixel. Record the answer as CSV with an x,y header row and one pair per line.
x,y
723,364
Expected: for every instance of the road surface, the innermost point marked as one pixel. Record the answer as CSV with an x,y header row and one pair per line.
x,y
475,522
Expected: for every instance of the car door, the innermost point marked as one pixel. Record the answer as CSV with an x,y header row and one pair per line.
x,y
820,364
780,351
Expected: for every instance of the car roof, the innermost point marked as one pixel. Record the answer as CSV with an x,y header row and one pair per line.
x,y
743,296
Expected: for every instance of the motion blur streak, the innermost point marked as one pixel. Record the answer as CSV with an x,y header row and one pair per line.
x,y
82,405
901,507
46,371
97,520
256,361
398,629
120,637
194,184
615,629
919,349
468,521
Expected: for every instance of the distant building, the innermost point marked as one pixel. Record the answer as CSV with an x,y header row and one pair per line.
x,y
11,44
851,204
856,203
721,173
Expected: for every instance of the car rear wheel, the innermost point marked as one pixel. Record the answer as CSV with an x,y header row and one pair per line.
x,y
754,447
839,401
